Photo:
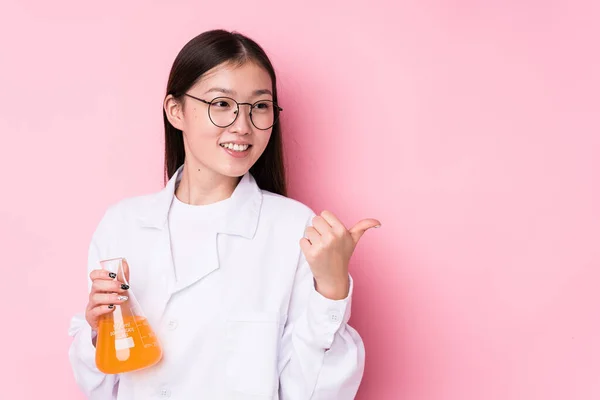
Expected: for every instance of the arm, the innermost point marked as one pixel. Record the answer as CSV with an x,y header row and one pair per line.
x,y
322,357
82,352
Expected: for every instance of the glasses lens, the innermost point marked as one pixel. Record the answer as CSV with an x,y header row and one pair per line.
x,y
264,114
222,111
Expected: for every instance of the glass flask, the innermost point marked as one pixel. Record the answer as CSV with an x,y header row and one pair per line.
x,y
125,341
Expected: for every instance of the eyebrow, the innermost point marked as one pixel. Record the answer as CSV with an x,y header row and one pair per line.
x,y
232,92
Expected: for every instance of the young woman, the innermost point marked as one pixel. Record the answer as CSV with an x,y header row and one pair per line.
x,y
247,290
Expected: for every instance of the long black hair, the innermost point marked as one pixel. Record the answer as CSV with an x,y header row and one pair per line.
x,y
200,55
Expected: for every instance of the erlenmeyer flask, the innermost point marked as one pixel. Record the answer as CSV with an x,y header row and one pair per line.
x,y
125,341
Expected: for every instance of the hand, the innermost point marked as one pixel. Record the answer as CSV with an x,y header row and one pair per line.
x,y
106,292
328,246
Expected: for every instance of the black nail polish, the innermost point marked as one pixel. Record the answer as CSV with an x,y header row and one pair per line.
x,y
124,286
112,275
111,306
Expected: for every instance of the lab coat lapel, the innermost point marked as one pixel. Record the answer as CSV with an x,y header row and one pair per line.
x,y
242,220
162,280
207,246
161,269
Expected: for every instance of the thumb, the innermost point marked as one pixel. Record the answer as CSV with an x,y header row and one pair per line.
x,y
126,270
361,227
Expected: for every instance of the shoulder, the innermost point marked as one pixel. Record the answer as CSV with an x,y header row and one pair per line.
x,y
126,211
130,207
285,210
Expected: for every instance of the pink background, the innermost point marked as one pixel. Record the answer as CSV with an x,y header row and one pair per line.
x,y
470,129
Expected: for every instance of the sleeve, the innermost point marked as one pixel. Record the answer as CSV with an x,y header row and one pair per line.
x,y
82,352
321,357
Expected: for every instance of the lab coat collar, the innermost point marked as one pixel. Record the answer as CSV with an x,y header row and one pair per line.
x,y
243,210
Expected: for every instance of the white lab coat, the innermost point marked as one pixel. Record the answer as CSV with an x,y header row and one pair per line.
x,y
251,326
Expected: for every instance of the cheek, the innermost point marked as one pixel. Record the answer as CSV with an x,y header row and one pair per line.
x,y
198,124
199,130
194,118
263,138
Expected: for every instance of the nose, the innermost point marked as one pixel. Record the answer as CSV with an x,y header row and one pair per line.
x,y
242,124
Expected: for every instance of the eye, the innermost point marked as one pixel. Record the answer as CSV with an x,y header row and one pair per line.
x,y
222,104
263,106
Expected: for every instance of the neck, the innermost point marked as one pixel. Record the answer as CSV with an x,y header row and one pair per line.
x,y
201,186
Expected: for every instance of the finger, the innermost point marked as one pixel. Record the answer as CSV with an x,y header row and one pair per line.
x,y
333,221
320,225
361,227
108,298
102,274
312,235
104,286
98,311
126,270
305,246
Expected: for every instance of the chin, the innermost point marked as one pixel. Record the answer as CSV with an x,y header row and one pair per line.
x,y
234,172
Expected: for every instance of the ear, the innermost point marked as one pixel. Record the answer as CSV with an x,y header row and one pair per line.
x,y
174,111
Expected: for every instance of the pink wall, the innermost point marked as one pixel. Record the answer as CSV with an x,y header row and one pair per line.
x,y
470,129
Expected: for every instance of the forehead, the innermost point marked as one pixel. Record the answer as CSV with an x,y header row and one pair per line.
x,y
239,79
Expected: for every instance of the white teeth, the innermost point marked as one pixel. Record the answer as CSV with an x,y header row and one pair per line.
x,y
235,147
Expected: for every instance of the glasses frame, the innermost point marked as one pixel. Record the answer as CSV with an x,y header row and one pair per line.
x,y
276,110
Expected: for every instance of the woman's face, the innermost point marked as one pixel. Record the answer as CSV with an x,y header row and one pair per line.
x,y
232,150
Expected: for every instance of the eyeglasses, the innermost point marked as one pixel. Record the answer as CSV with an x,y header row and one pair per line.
x,y
223,111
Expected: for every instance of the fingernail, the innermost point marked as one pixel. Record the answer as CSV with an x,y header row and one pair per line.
x,y
112,275
124,286
111,306
122,298
377,226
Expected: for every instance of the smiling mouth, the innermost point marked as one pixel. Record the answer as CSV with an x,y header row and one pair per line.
x,y
236,147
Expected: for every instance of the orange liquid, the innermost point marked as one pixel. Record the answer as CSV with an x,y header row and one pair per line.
x,y
126,346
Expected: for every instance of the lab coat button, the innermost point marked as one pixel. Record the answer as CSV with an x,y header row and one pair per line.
x,y
165,393
172,325
334,316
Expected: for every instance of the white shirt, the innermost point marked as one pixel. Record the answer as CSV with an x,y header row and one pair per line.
x,y
246,324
